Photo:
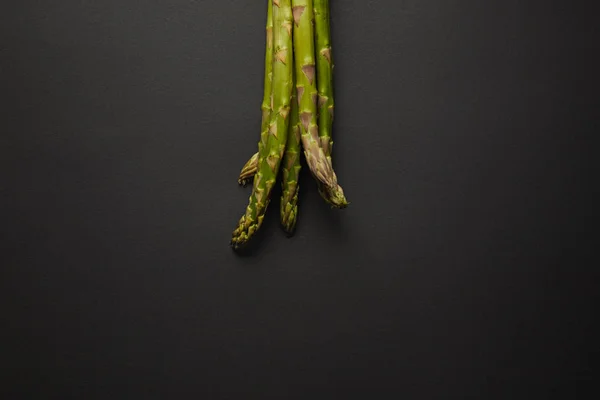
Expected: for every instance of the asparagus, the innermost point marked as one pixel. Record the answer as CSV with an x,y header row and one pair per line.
x,y
273,140
324,81
304,56
291,159
324,74
250,167
291,172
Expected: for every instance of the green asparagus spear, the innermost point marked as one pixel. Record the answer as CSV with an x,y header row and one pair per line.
x,y
304,56
250,167
324,81
324,74
273,140
291,172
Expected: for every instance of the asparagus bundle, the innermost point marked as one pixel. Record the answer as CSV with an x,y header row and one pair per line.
x,y
297,53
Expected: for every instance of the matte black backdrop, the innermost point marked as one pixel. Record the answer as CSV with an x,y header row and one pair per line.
x,y
458,134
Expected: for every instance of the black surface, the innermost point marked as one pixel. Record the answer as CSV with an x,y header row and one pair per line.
x,y
459,140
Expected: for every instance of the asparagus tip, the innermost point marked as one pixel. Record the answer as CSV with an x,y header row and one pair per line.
x,y
334,196
288,221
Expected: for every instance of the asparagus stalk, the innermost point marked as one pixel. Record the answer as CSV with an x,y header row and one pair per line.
x,y
274,138
304,56
250,167
291,172
324,74
324,81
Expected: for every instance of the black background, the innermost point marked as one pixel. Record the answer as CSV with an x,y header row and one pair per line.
x,y
459,140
